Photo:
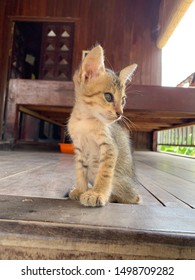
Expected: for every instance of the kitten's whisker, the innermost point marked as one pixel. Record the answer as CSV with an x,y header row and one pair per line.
x,y
129,124
111,67
133,124
128,85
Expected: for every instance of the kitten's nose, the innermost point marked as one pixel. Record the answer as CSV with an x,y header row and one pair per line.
x,y
118,110
118,114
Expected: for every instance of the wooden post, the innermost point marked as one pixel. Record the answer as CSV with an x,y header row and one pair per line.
x,y
155,141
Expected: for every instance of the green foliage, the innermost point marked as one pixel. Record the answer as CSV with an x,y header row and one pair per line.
x,y
188,151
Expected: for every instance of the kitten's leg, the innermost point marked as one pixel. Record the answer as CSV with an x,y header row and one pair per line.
x,y
100,192
125,191
81,176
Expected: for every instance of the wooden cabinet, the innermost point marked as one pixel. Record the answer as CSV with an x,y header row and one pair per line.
x,y
56,51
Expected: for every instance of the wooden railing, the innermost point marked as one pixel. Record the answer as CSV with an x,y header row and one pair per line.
x,y
182,136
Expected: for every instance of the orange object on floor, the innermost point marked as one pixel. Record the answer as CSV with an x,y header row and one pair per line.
x,y
66,148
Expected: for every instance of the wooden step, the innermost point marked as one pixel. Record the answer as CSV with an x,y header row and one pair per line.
x,y
40,228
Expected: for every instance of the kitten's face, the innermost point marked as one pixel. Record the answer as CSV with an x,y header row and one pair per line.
x,y
104,97
99,91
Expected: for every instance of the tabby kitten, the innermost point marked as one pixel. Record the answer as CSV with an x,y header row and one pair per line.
x,y
102,148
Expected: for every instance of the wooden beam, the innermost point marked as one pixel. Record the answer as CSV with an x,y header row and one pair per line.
x,y
171,13
37,115
149,107
183,124
158,115
140,97
47,93
161,99
50,109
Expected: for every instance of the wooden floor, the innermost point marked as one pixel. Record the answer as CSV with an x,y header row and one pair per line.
x,y
36,221
167,180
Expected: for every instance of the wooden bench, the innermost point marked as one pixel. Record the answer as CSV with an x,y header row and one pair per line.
x,y
150,108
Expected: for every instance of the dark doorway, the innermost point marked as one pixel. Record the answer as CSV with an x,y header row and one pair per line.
x,y
44,51
26,50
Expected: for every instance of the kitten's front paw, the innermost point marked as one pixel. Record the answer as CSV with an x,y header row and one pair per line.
x,y
75,194
93,199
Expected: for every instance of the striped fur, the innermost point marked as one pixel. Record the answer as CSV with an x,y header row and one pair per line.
x,y
104,165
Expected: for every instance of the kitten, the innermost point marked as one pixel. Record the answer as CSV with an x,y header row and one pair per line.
x,y
102,149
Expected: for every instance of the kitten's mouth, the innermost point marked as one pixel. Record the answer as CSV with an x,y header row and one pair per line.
x,y
110,119
114,119
117,119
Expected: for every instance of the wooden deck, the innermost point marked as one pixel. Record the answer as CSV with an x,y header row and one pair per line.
x,y
37,222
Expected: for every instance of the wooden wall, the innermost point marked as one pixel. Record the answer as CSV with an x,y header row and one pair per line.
x,y
125,28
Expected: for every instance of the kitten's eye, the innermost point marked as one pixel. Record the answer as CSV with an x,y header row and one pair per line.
x,y
109,97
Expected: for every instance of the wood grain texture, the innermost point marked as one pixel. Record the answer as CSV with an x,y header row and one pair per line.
x,y
136,217
56,229
36,174
122,27
166,180
172,175
37,222
149,108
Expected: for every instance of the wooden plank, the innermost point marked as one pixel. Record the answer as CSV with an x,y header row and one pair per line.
x,y
51,175
44,176
32,92
162,110
36,92
159,99
50,181
50,109
47,177
45,228
148,198
163,196
163,98
38,116
161,158
175,175
181,167
48,228
15,162
142,114
180,188
133,217
182,124
150,126
11,159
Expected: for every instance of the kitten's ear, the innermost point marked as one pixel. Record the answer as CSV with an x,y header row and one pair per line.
x,y
93,64
127,73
